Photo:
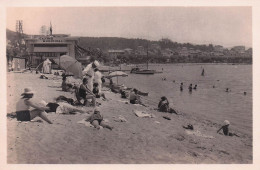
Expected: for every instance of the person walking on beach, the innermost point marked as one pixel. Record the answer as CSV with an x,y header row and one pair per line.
x,y
89,71
27,109
98,78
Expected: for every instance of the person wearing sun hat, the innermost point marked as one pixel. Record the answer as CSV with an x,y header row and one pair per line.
x,y
225,128
89,72
26,109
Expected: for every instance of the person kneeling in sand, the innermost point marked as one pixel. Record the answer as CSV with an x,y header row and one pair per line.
x,y
23,112
96,119
226,130
163,106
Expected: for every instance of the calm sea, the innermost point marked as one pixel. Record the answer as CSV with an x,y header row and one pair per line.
x,y
212,103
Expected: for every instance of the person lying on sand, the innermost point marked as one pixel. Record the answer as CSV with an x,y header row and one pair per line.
x,y
163,106
23,112
61,107
96,119
96,91
43,77
226,130
135,98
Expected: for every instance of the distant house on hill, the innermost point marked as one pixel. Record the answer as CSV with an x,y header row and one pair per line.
x,y
239,49
113,54
218,48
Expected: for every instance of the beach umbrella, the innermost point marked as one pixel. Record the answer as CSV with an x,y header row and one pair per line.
x,y
117,74
70,65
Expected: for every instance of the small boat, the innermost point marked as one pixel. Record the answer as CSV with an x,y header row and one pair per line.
x,y
138,71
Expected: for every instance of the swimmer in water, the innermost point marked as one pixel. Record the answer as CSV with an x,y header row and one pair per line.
x,y
228,90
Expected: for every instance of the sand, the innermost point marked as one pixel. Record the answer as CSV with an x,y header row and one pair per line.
x,y
136,141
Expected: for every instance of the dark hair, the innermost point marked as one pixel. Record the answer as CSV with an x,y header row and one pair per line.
x,y
64,78
95,84
163,98
85,80
135,90
96,69
27,96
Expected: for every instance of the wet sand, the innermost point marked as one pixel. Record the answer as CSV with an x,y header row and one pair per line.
x,y
137,141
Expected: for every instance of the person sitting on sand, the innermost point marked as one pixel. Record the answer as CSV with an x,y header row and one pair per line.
x,y
97,92
226,130
23,111
86,93
195,87
135,98
164,106
66,86
96,119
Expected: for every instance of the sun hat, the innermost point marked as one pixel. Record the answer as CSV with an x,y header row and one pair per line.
x,y
226,122
96,63
27,90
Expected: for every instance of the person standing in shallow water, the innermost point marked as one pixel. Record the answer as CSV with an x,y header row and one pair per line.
x,y
190,88
181,87
202,73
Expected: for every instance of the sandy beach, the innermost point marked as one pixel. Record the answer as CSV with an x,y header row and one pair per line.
x,y
136,141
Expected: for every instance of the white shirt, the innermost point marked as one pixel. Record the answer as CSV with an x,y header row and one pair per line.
x,y
89,70
97,76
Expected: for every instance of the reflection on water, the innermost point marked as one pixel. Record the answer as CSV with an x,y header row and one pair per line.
x,y
213,103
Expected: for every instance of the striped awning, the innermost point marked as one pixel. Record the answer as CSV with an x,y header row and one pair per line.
x,y
50,49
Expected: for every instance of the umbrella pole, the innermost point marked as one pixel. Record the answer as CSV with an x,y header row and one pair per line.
x,y
117,80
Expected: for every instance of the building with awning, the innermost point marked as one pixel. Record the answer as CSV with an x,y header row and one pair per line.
x,y
41,47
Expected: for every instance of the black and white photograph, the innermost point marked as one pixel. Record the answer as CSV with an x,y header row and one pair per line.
x,y
129,85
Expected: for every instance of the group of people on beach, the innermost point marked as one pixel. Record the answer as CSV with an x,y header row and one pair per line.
x,y
89,89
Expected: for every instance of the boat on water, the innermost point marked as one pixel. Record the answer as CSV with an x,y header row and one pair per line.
x,y
139,71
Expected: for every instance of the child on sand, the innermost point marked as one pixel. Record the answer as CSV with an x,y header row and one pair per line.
x,y
96,119
23,111
226,130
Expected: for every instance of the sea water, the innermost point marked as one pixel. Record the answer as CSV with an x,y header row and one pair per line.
x,y
214,104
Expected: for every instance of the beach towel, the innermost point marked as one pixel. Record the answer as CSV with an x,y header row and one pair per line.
x,y
120,119
143,114
84,122
198,133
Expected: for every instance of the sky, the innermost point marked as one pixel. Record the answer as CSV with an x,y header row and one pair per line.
x,y
227,26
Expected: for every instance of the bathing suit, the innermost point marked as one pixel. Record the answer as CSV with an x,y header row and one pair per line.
x,y
23,115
